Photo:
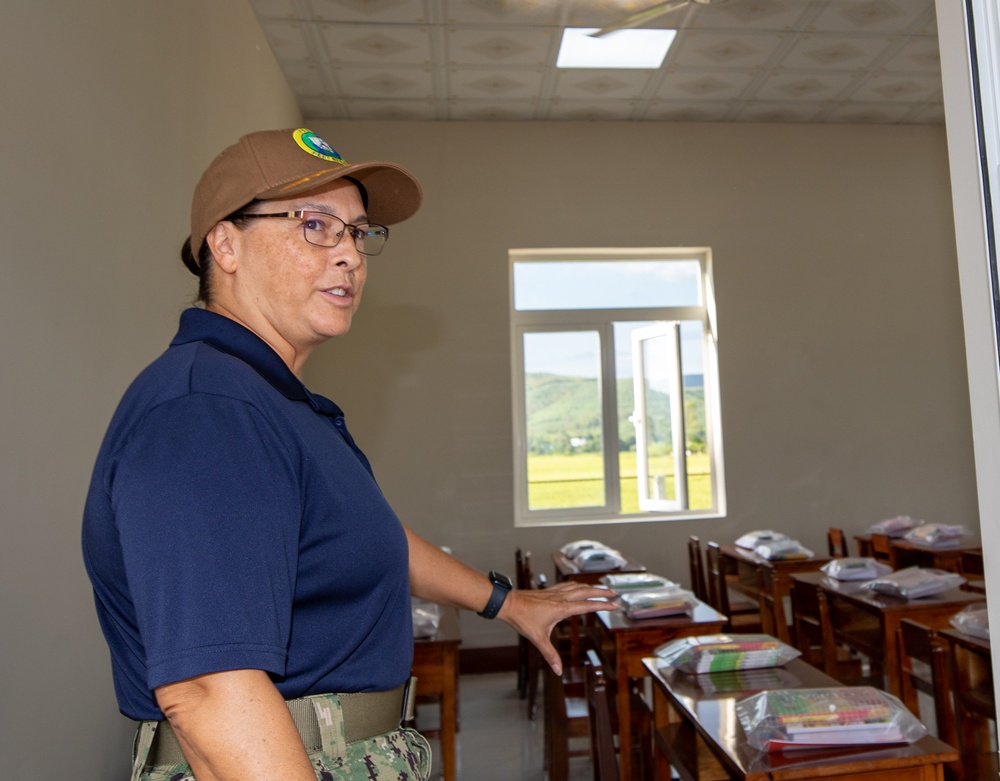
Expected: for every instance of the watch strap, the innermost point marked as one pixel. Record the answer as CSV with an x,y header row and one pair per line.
x,y
497,598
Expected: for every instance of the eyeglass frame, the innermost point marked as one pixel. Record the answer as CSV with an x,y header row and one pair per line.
x,y
348,227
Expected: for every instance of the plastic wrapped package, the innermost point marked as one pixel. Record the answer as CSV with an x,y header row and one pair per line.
x,y
426,617
635,581
654,603
937,535
751,540
785,719
571,549
972,620
598,560
855,569
782,550
894,527
914,582
725,652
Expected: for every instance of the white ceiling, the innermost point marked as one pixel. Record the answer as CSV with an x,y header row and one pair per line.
x,y
868,61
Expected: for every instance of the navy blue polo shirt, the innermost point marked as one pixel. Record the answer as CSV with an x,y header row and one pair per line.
x,y
232,523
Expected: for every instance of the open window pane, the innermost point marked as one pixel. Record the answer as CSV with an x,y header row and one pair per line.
x,y
564,423
661,463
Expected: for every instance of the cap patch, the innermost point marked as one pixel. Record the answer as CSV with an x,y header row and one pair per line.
x,y
316,146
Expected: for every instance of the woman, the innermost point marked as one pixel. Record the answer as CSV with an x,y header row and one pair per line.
x,y
250,578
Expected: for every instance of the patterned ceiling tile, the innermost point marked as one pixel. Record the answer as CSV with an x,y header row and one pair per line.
x,y
468,84
589,84
376,44
812,87
316,107
753,14
870,16
899,88
369,11
779,112
931,114
679,111
394,110
700,49
491,111
708,85
274,9
835,52
920,55
304,78
504,12
409,83
287,39
869,114
505,46
605,110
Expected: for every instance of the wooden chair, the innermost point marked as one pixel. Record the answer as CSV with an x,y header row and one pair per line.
x,y
742,612
772,611
836,543
566,720
812,634
971,566
971,678
882,549
920,643
602,731
861,632
697,568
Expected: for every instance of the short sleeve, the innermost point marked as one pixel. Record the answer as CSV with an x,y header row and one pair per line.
x,y
208,509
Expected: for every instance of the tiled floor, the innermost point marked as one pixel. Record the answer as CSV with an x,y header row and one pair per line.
x,y
496,741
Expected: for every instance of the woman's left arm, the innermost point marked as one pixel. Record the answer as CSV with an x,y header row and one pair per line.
x,y
441,578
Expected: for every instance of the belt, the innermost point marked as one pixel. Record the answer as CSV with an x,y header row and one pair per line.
x,y
366,714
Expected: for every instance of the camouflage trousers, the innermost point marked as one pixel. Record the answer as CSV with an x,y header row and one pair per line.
x,y
400,755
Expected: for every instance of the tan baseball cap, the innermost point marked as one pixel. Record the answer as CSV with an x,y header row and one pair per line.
x,y
277,164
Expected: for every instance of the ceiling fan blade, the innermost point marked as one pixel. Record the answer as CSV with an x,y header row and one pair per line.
x,y
641,17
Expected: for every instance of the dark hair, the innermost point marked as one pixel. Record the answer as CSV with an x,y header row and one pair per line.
x,y
202,265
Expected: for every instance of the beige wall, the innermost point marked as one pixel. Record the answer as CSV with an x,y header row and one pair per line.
x,y
841,349
110,111
844,392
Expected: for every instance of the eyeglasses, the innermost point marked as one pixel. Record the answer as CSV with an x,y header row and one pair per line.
x,y
326,230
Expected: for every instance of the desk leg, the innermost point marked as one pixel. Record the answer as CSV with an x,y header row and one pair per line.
x,y
782,589
661,720
449,713
890,659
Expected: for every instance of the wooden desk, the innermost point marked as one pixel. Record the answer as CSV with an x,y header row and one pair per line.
x,y
435,664
747,563
881,614
698,733
907,553
622,643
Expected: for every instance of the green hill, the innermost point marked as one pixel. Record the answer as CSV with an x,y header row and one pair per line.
x,y
564,413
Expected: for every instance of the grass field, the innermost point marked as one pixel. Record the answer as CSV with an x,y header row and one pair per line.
x,y
556,481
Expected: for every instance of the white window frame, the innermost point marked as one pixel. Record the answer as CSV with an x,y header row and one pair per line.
x,y
602,320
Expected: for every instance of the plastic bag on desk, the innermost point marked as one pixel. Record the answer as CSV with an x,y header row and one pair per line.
x,y
571,549
914,582
655,603
855,569
781,550
636,581
972,620
937,535
725,652
751,540
426,617
785,719
893,527
598,560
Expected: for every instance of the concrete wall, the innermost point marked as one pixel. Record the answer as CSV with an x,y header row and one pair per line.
x,y
111,110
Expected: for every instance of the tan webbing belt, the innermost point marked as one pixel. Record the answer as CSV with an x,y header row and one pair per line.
x,y
366,714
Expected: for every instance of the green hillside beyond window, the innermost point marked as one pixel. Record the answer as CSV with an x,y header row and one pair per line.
x,y
615,386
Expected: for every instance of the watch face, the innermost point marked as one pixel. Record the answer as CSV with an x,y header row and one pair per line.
x,y
500,579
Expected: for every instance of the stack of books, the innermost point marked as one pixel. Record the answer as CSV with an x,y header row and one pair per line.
x,y
722,653
636,581
655,603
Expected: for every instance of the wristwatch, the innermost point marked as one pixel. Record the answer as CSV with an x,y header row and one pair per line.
x,y
501,587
